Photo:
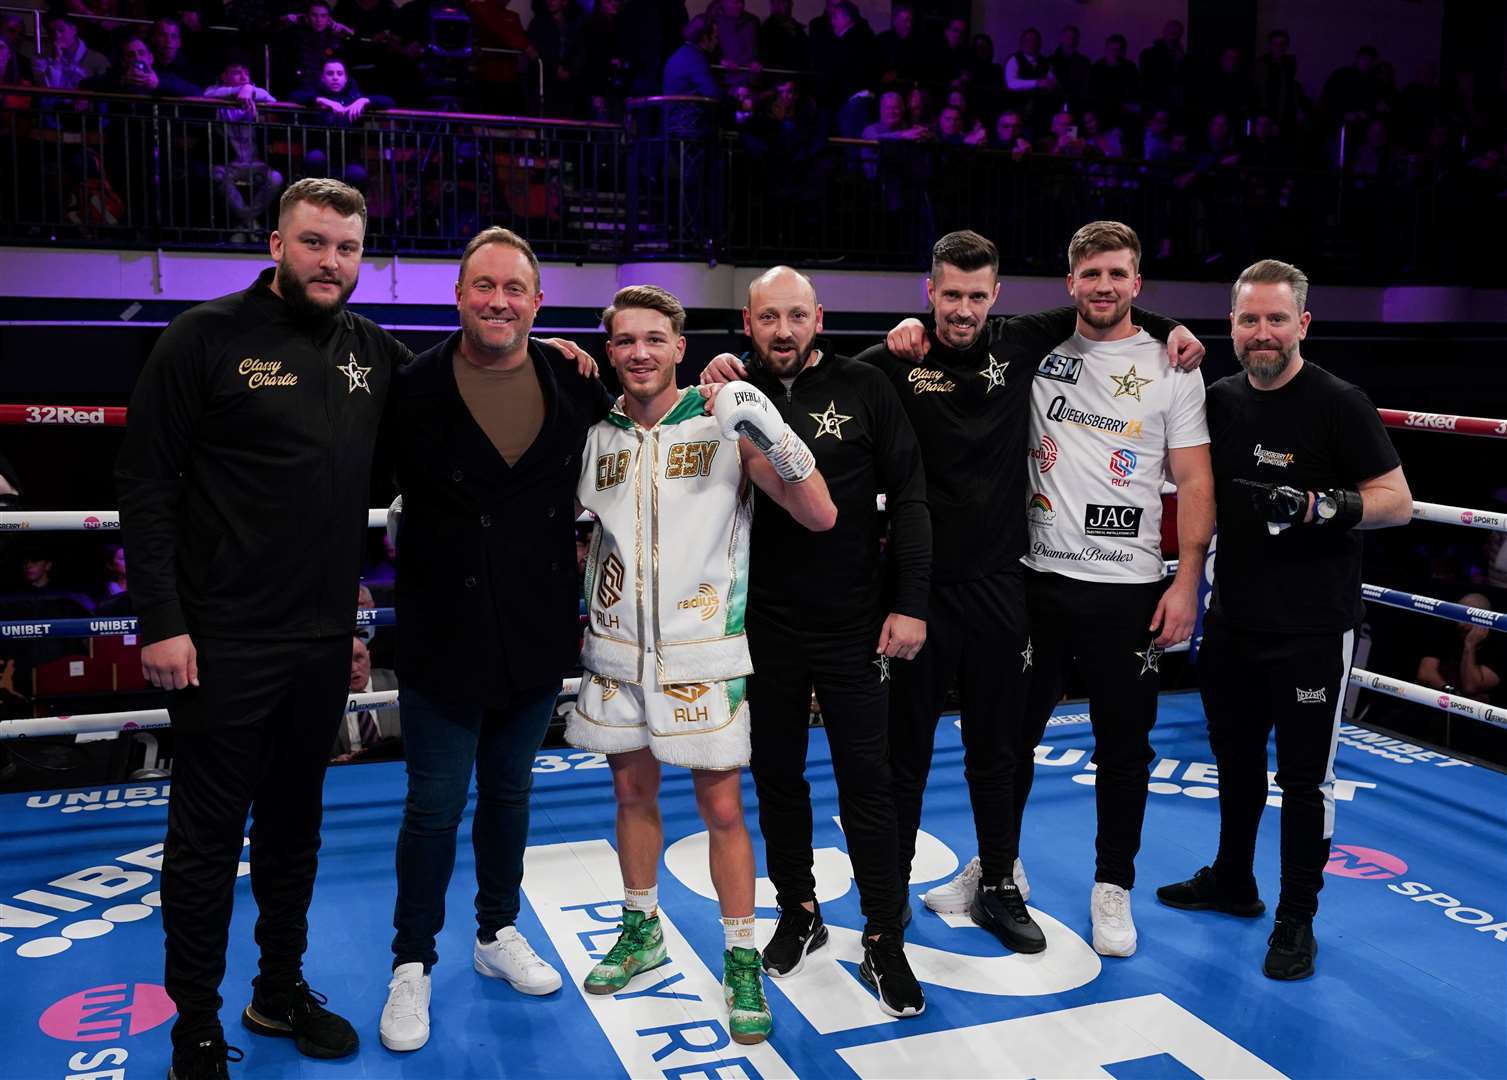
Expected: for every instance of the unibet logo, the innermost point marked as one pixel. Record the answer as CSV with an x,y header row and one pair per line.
x,y
1349,860
107,1013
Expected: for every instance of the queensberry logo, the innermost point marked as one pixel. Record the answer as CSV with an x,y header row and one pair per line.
x,y
1102,520
1060,368
1059,411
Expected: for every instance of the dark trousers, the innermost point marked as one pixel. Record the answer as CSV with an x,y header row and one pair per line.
x,y
442,742
1251,683
1100,628
976,635
841,664
255,737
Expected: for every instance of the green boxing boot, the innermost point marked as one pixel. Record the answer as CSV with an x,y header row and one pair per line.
x,y
640,946
748,1016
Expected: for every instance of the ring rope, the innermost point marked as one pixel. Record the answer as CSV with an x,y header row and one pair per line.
x,y
146,719
109,520
1445,422
1427,695
115,416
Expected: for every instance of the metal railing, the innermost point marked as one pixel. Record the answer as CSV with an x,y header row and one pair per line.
x,y
91,168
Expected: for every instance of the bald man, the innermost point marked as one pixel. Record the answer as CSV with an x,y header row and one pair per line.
x,y
822,616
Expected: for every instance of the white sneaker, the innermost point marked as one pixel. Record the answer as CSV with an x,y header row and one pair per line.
x,y
405,1017
1114,929
511,958
954,897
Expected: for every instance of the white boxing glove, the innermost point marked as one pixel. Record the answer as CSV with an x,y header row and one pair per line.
x,y
394,522
742,409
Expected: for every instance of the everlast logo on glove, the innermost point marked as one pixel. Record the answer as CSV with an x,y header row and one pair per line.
x,y
744,397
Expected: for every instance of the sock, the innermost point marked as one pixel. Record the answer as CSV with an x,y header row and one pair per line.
x,y
738,932
645,900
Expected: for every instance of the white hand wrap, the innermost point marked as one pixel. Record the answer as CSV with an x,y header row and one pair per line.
x,y
394,522
742,409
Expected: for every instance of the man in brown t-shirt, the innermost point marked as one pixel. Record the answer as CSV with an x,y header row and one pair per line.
x,y
487,430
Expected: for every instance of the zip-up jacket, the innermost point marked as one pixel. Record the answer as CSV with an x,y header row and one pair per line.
x,y
245,474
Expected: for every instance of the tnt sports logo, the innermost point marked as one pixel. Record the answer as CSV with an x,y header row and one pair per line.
x,y
1045,455
1060,368
1466,517
107,1013
1039,511
705,601
1121,467
91,522
1349,860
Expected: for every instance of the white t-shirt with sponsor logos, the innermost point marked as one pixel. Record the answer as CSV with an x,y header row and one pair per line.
x,y
1103,416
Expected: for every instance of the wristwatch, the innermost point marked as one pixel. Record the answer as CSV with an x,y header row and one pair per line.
x,y
1324,507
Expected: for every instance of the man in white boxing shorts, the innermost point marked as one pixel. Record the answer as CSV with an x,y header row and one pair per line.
x,y
665,655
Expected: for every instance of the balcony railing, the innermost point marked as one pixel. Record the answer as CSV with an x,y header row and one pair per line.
x,y
115,170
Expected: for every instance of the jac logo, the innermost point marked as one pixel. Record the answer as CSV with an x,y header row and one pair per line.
x,y
1101,520
1060,368
1431,420
1352,861
1121,467
107,1013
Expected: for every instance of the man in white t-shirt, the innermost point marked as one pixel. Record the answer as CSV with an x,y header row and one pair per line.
x,y
1110,420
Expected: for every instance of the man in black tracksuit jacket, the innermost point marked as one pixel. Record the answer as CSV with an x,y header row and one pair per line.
x,y
967,398
820,615
243,485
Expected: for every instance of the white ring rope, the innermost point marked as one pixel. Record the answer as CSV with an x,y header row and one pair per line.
x,y
109,520
146,719
1434,699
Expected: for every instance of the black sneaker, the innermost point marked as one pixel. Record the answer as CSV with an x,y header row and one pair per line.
x,y
1201,892
799,933
1290,949
885,968
203,1061
298,1013
1000,910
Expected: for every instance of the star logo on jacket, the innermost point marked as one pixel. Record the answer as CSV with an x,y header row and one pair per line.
x,y
883,664
829,422
1129,384
995,373
1027,655
1151,658
356,374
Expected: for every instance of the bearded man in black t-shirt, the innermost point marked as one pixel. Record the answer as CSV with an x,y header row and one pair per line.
x,y
1301,461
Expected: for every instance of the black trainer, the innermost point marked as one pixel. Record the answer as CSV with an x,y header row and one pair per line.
x,y
203,1061
798,933
298,1013
1290,949
886,969
1000,910
1202,892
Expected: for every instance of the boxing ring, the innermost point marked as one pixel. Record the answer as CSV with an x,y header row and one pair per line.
x,y
1411,976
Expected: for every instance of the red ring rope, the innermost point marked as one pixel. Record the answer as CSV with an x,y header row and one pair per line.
x,y
1459,425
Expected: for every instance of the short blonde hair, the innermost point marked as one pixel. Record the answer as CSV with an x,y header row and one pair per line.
x,y
651,297
1097,237
322,191
1273,272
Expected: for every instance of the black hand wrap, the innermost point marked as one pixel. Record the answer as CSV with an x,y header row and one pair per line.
x,y
1276,504
1349,505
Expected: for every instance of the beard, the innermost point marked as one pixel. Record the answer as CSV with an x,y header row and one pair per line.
x,y
474,332
295,294
1262,367
784,369
1101,322
957,335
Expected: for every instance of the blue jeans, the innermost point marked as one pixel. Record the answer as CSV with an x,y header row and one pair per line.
x,y
442,741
